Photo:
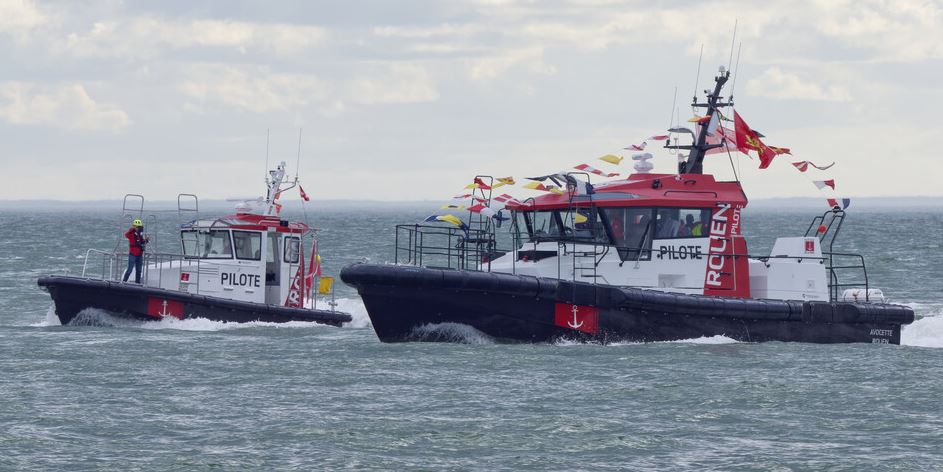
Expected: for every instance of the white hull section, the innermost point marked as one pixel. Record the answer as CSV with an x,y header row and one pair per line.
x,y
795,269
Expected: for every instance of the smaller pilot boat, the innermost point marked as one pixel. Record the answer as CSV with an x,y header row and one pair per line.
x,y
249,266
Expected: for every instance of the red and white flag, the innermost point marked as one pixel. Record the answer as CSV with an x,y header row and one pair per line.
x,y
304,196
593,170
505,199
824,183
804,166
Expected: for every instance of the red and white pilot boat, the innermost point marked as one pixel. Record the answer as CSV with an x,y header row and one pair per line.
x,y
249,266
655,257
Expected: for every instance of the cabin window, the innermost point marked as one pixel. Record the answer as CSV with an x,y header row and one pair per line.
x,y
248,245
191,243
682,222
216,245
292,250
213,244
632,230
272,262
543,225
583,224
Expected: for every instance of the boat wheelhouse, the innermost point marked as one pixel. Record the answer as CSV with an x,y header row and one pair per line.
x,y
248,266
653,257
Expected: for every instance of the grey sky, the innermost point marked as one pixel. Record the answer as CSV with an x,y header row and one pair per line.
x,y
406,100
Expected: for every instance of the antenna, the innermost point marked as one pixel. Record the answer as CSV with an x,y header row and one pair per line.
x,y
674,102
735,71
298,162
697,78
732,40
267,135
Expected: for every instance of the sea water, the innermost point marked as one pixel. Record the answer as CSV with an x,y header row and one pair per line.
x,y
200,395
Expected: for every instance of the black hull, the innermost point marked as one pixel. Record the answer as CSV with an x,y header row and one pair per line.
x,y
72,295
401,300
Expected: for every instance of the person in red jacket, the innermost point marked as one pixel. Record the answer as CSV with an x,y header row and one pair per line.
x,y
136,243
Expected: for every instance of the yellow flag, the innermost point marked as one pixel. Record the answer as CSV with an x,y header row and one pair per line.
x,y
580,218
555,189
535,186
611,159
453,207
325,285
503,181
450,219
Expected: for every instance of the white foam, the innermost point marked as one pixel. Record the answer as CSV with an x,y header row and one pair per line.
x,y
353,307
707,340
203,324
718,339
51,318
925,332
451,332
98,317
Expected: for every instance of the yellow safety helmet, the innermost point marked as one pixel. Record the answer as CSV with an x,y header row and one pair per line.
x,y
137,223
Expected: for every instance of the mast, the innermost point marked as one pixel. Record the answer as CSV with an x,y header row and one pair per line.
x,y
274,183
695,162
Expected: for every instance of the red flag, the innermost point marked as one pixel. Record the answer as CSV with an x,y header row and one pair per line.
x,y
304,195
747,141
295,297
314,269
727,135
481,184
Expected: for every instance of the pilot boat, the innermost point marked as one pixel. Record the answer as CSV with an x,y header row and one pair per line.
x,y
654,257
248,266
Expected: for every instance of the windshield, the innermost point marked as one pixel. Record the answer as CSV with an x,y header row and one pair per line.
x,y
542,225
569,224
632,231
214,244
248,245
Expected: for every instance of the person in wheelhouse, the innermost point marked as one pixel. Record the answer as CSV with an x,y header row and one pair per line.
x,y
136,242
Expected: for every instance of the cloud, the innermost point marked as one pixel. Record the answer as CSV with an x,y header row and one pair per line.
x,y
488,68
17,16
148,36
255,89
402,83
776,84
65,106
898,31
258,89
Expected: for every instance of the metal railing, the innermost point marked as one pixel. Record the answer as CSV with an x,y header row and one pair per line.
x,y
111,266
445,247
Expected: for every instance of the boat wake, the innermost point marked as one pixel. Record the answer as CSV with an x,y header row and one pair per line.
x,y
701,340
101,318
95,317
705,340
203,324
450,333
926,331
352,306
50,320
